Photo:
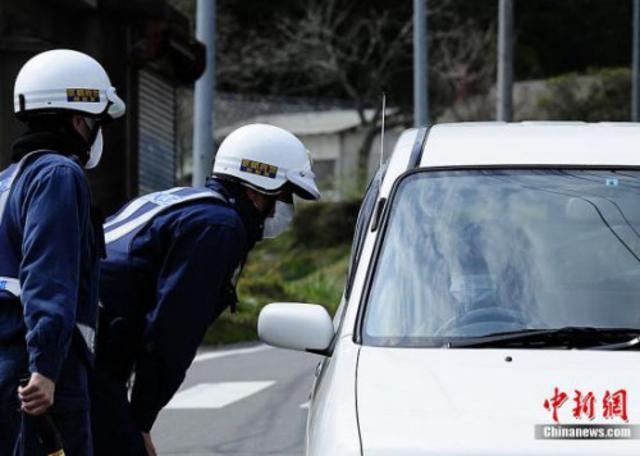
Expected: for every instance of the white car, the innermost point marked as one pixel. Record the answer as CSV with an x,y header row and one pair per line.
x,y
492,305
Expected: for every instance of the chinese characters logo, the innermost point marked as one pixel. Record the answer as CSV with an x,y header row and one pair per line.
x,y
588,406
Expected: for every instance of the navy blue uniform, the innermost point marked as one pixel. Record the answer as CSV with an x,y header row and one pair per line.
x,y
169,273
49,266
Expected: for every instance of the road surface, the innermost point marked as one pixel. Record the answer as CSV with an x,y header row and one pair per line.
x,y
242,401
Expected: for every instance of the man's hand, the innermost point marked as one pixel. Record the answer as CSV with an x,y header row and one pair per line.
x,y
37,396
148,444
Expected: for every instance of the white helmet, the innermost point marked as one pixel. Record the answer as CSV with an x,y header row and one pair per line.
x,y
266,158
65,80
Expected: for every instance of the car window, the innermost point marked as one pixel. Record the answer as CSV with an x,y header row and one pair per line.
x,y
362,223
471,253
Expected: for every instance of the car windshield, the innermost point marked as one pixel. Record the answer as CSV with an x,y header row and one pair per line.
x,y
468,254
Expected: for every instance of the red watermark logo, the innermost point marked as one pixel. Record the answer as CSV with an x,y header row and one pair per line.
x,y
586,405
586,415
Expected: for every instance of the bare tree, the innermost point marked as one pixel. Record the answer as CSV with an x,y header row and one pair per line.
x,y
463,56
332,47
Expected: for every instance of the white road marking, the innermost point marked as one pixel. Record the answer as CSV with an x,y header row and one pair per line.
x,y
215,395
205,356
305,405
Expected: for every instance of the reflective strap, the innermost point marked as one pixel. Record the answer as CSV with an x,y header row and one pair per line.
x,y
137,222
4,195
6,188
88,334
134,206
11,285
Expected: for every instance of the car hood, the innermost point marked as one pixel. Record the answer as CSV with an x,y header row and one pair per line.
x,y
486,401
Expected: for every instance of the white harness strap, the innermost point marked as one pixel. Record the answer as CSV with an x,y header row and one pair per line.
x,y
5,190
5,187
135,205
88,334
162,200
11,285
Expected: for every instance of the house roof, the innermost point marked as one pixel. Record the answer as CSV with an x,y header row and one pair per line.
x,y
301,116
232,107
305,123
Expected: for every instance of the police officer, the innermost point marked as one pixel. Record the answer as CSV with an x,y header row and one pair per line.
x,y
50,244
173,258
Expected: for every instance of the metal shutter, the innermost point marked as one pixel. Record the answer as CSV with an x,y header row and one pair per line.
x,y
156,133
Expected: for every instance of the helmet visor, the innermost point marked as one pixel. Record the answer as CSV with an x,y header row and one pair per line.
x,y
304,184
116,107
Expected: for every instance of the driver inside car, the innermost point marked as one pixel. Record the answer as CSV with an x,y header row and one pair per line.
x,y
479,278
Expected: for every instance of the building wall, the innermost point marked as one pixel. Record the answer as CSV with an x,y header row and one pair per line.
x,y
390,140
341,151
325,153
124,37
350,142
322,147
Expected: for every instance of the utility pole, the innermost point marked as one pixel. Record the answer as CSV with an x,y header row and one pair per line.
x,y
635,72
420,64
504,93
203,121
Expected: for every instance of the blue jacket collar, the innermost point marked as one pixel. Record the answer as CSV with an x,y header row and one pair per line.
x,y
251,218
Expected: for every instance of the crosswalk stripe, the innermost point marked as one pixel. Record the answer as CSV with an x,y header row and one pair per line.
x,y
208,355
215,395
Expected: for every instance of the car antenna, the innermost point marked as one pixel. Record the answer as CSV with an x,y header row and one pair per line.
x,y
384,113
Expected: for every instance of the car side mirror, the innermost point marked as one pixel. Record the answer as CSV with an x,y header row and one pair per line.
x,y
296,326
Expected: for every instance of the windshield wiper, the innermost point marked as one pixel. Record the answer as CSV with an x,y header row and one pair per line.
x,y
618,346
583,337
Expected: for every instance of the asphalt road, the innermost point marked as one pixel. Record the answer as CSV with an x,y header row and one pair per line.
x,y
239,401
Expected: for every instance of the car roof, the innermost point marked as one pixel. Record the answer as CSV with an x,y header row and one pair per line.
x,y
501,144
532,143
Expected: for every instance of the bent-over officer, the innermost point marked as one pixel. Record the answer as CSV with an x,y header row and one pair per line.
x,y
173,258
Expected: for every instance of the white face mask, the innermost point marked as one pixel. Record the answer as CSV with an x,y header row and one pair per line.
x,y
282,217
473,289
95,152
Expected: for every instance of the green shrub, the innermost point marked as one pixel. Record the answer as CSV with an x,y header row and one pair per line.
x,y
323,287
325,224
264,285
229,329
597,95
